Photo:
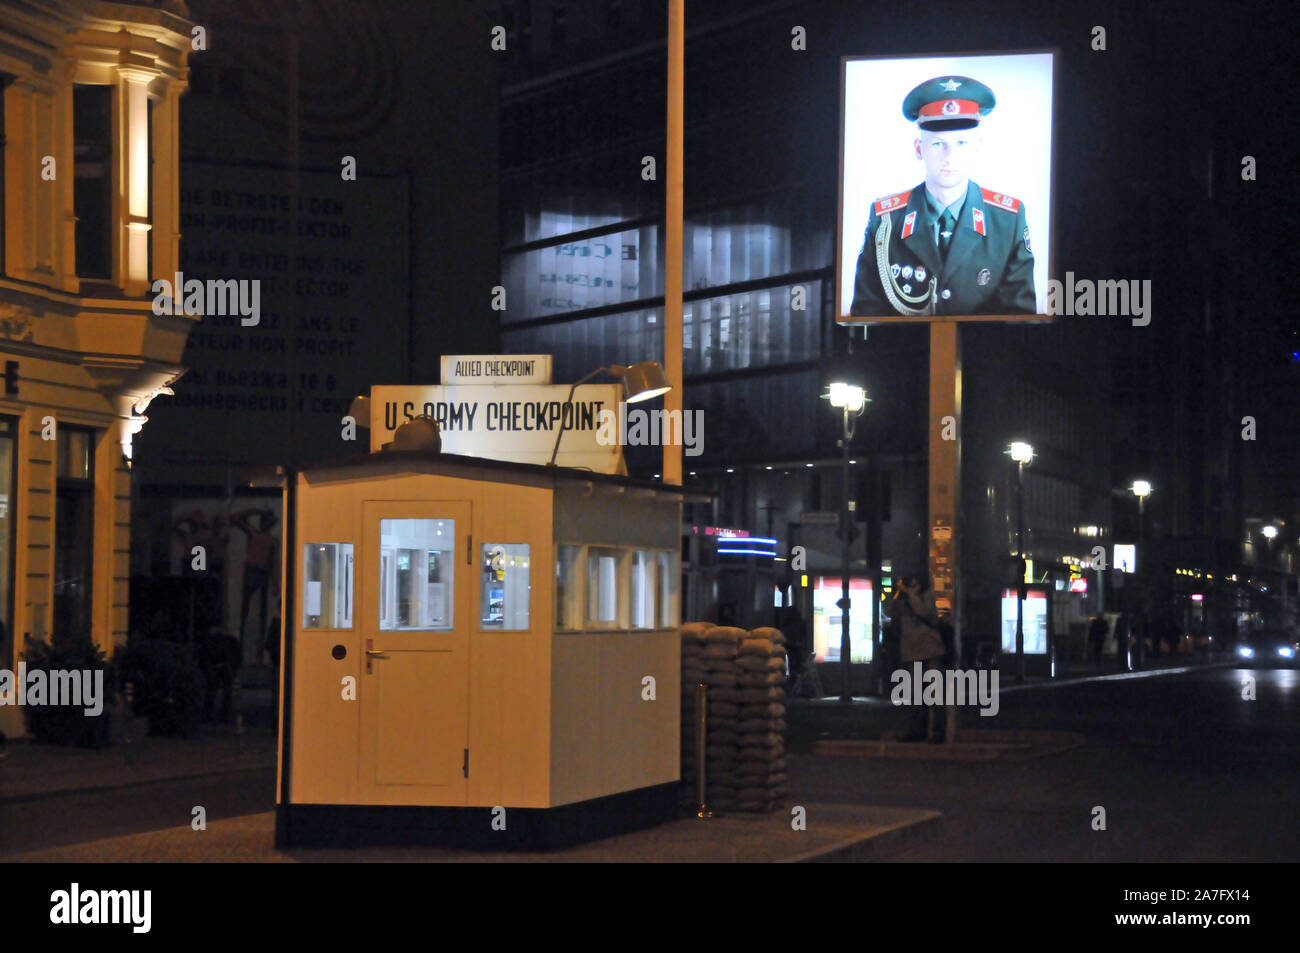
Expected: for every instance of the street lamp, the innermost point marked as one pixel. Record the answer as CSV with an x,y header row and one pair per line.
x,y
1270,532
1142,489
640,382
851,400
1023,454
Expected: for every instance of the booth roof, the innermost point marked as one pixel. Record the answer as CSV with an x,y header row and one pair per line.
x,y
451,464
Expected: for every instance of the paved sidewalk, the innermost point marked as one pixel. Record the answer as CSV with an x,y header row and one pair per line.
x,y
34,770
835,832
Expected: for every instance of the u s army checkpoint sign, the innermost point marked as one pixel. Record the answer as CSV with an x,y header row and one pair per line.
x,y
515,422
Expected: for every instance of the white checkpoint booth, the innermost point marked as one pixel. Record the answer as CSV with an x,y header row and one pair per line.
x,y
477,653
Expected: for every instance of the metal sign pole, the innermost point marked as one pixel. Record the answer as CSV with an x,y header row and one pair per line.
x,y
702,704
945,479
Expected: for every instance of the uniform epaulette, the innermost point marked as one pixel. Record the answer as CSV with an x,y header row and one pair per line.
x,y
891,203
1001,200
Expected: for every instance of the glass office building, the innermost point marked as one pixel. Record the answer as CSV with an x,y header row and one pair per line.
x,y
583,265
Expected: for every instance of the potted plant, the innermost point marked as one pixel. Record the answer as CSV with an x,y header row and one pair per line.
x,y
65,724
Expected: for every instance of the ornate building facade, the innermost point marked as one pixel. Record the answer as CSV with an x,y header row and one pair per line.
x,y
90,193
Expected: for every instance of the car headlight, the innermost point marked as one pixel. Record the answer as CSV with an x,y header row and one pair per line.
x,y
1245,651
1286,651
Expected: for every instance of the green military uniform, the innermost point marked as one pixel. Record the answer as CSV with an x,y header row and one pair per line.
x,y
916,261
989,267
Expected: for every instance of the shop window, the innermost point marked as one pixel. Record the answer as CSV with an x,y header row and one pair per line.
x,y
327,586
92,196
505,588
8,456
74,524
567,605
643,590
666,577
603,585
74,447
417,574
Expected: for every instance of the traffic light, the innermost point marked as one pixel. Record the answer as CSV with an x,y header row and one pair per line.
x,y
11,378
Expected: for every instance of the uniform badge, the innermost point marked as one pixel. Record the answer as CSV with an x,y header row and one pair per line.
x,y
984,276
894,270
920,273
1027,248
950,85
977,219
909,223
907,289
950,108
907,271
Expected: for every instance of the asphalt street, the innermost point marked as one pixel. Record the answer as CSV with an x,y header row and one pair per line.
x,y
1184,767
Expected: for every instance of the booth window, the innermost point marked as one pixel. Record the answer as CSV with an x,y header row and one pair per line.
x,y
327,586
603,584
417,574
505,589
567,608
667,580
643,589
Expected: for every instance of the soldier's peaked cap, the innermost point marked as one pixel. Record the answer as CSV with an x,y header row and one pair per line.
x,y
949,102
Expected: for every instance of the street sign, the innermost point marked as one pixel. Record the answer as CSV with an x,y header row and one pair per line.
x,y
820,518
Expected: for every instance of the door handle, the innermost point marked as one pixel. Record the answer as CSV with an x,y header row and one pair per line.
x,y
372,653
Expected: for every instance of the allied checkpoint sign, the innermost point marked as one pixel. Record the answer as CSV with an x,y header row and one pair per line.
x,y
513,422
496,369
971,135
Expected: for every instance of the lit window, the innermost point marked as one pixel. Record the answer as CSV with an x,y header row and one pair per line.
x,y
643,590
566,587
327,586
603,588
417,574
505,588
666,565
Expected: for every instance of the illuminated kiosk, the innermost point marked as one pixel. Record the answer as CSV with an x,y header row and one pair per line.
x,y
465,635
1040,631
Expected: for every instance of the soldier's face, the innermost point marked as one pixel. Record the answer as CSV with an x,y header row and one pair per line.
x,y
947,155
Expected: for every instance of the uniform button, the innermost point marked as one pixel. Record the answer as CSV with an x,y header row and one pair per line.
x,y
946,294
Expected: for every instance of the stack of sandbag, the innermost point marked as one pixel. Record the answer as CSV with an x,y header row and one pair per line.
x,y
745,717
760,767
722,675
693,672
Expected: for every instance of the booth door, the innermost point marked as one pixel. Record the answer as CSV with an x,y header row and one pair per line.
x,y
415,634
